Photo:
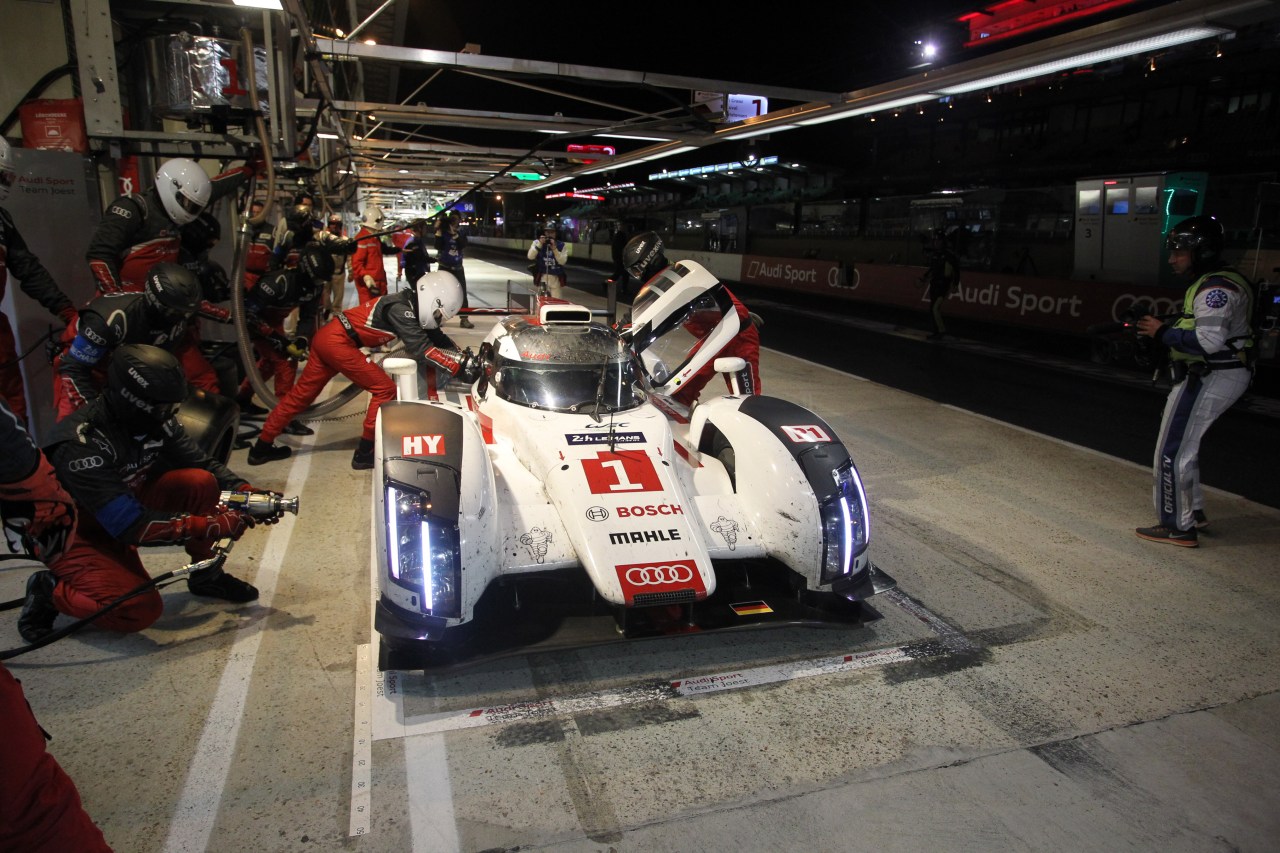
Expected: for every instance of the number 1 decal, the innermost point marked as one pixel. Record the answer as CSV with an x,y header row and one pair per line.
x,y
620,473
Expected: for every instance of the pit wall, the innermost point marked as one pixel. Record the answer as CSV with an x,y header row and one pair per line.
x,y
1050,304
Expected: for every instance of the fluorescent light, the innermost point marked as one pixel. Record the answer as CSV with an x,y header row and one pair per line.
x,y
556,132
762,131
1146,45
681,150
260,4
625,136
322,135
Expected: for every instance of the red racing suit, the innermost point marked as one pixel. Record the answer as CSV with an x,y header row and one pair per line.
x,y
36,282
367,261
79,371
135,234
268,302
744,345
158,488
337,349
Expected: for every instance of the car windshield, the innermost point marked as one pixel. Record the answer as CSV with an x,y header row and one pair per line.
x,y
569,368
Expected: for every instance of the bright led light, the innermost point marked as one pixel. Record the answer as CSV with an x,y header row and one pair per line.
x,y
761,131
929,51
260,4
1147,45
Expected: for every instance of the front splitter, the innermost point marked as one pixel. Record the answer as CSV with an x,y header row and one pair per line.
x,y
526,614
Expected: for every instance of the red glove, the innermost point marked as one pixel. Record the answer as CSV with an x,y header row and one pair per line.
x,y
52,506
218,525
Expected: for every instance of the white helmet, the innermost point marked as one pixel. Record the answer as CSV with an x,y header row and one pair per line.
x,y
373,216
439,299
8,175
184,189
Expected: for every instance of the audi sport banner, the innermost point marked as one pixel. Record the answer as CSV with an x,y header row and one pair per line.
x,y
1051,304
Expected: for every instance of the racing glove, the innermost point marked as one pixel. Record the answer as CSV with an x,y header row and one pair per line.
x,y
372,286
469,369
218,526
170,531
278,342
52,507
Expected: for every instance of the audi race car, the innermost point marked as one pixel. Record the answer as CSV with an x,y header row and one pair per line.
x,y
571,501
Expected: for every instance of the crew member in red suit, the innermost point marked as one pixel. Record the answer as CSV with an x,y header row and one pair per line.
x,y
40,807
644,258
159,316
34,280
366,264
139,231
413,316
138,480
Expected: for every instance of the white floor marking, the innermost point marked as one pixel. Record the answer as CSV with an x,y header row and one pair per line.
x,y
197,809
362,747
431,820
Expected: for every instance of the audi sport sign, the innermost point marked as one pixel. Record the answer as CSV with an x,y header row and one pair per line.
x,y
668,576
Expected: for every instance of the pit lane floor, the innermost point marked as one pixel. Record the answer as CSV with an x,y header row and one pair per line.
x,y
1041,680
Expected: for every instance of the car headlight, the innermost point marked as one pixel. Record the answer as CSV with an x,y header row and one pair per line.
x,y
846,526
423,552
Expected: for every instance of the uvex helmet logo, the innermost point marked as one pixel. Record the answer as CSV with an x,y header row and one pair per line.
x,y
137,377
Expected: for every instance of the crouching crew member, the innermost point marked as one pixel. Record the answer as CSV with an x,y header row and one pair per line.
x,y
413,316
159,316
644,258
1208,352
138,480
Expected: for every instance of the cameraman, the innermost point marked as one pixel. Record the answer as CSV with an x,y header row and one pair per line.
x,y
1208,345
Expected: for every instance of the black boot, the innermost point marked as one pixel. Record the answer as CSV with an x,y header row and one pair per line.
x,y
298,428
263,451
36,620
215,583
362,459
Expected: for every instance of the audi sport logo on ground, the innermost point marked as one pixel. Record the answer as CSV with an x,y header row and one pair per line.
x,y
669,576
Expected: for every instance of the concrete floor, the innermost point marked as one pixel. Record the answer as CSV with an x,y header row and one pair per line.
x,y
1041,680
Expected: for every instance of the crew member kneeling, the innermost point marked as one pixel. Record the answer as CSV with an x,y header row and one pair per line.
x,y
413,316
137,480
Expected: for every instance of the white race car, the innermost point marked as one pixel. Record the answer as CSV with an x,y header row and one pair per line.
x,y
571,501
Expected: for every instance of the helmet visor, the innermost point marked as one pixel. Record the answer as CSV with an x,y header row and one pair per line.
x,y
190,205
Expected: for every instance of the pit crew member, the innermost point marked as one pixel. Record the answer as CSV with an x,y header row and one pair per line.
x,y
1208,350
366,264
644,258
451,240
160,316
137,480
415,317
34,280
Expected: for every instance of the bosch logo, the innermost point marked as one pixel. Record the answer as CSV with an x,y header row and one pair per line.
x,y
641,511
658,575
1159,305
597,513
85,464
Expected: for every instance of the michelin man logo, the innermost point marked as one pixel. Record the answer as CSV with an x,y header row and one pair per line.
x,y
538,542
728,529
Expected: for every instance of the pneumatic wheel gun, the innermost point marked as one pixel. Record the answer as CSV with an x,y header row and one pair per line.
x,y
262,506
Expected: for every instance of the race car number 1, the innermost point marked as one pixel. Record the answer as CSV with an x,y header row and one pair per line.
x,y
614,473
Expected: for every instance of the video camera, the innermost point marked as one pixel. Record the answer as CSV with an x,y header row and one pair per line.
x,y
1120,343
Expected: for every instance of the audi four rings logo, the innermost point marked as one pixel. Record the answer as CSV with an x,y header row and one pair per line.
x,y
1159,304
85,464
658,575
597,513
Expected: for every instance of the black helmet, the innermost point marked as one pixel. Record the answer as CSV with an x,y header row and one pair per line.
x,y
214,283
1200,235
172,292
145,384
643,257
316,262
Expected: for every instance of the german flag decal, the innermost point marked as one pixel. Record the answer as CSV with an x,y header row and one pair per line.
x,y
751,608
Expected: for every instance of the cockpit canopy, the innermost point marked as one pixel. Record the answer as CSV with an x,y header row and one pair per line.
x,y
569,367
